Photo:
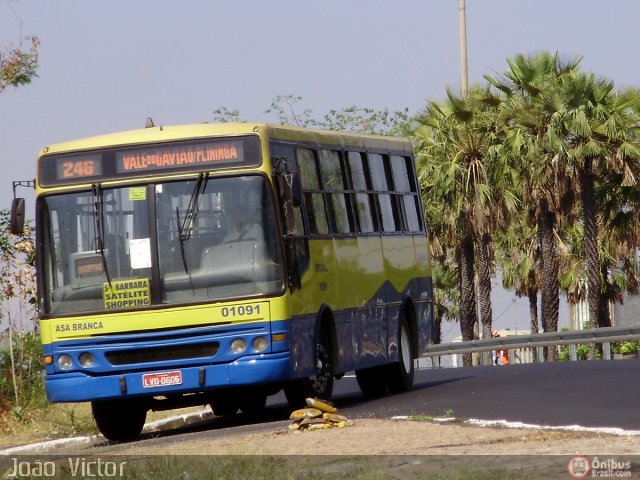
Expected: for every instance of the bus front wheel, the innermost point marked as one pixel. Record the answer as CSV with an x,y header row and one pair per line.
x,y
253,403
225,405
119,420
318,385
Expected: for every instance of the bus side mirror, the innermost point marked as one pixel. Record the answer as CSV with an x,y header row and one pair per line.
x,y
294,187
16,220
288,182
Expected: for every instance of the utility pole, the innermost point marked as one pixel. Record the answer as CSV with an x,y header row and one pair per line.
x,y
464,89
464,76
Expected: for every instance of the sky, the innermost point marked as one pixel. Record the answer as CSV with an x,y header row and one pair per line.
x,y
107,66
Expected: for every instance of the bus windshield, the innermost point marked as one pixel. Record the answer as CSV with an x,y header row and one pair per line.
x,y
189,241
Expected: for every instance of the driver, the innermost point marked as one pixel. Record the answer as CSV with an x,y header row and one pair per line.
x,y
241,226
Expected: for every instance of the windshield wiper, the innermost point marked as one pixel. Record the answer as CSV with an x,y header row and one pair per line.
x,y
98,219
185,228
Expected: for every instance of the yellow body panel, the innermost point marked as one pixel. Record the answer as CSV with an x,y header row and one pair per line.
x,y
148,320
348,273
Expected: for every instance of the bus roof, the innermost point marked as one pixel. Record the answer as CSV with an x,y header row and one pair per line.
x,y
204,130
329,137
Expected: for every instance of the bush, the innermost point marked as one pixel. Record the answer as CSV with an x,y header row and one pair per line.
x,y
582,353
21,368
632,346
21,377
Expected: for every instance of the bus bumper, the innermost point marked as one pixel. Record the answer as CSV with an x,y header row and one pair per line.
x,y
251,370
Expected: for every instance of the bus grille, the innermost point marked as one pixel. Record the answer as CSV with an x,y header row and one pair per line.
x,y
160,354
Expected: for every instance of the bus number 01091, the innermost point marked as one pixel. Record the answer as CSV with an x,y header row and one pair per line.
x,y
240,310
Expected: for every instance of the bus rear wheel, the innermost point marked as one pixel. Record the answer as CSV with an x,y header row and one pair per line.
x,y
119,420
400,374
318,385
372,381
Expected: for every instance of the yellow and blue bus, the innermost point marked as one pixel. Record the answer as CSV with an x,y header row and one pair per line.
x,y
219,264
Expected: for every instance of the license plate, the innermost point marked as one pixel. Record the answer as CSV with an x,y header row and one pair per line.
x,y
162,379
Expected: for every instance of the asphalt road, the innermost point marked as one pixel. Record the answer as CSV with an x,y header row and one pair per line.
x,y
589,394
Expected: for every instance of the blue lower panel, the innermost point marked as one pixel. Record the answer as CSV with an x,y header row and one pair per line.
x,y
79,387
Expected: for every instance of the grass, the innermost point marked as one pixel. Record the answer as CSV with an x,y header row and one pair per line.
x,y
55,421
58,420
234,467
430,418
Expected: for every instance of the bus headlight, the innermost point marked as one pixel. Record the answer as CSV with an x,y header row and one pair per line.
x,y
260,344
238,345
65,362
86,360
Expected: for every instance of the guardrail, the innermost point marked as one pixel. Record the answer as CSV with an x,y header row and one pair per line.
x,y
604,335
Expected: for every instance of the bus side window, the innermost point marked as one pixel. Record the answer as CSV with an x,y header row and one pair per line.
x,y
389,216
333,183
314,203
361,188
297,245
407,192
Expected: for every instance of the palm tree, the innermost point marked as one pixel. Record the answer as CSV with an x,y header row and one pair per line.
x,y
460,171
620,234
440,187
531,84
598,124
518,254
446,297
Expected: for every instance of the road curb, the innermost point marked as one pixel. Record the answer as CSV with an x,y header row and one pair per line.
x,y
161,425
178,421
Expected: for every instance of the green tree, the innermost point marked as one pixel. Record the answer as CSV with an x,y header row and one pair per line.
x,y
518,255
532,111
368,120
443,271
619,206
446,296
224,115
441,170
18,66
288,110
460,169
600,131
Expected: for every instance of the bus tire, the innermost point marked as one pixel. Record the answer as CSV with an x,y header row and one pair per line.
x,y
318,385
400,374
119,420
372,381
225,405
253,403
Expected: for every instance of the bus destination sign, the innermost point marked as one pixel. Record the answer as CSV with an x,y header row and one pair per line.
x,y
157,158
162,157
85,166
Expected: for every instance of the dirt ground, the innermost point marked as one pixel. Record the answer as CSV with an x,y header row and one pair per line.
x,y
374,449
406,437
